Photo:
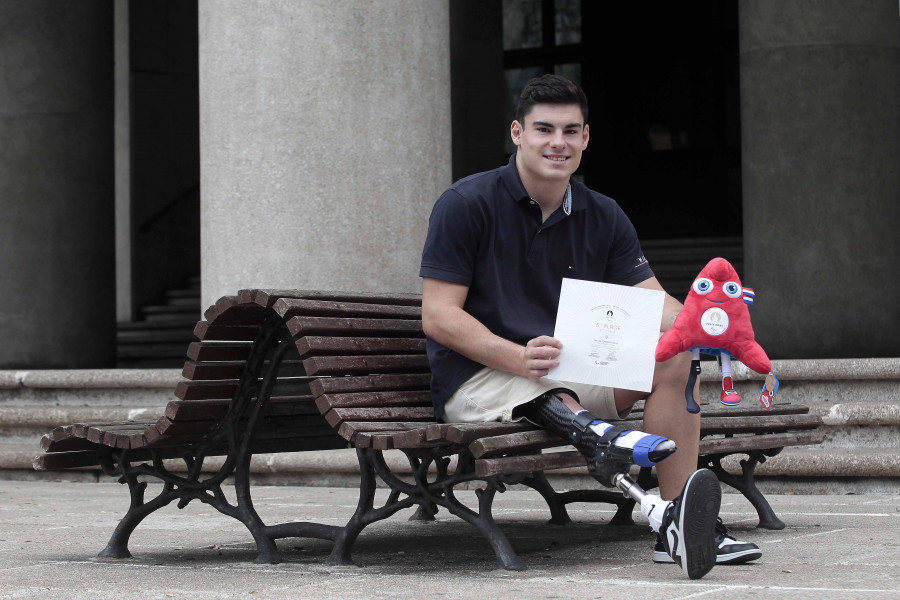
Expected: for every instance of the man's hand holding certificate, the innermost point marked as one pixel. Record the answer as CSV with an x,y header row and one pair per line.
x,y
609,334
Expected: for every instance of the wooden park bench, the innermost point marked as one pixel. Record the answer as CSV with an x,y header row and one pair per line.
x,y
285,371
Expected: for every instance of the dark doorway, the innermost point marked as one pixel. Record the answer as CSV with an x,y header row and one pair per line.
x,y
663,81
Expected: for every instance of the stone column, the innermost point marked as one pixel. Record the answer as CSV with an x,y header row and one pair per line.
x,y
820,113
325,140
57,280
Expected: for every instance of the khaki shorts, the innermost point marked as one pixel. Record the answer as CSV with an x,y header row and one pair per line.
x,y
492,395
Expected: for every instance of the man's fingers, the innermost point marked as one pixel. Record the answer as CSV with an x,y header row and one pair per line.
x,y
541,354
544,340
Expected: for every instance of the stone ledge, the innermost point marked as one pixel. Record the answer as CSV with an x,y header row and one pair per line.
x,y
92,379
859,413
47,417
824,369
787,370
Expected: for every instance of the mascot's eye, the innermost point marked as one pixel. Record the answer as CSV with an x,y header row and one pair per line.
x,y
703,286
732,290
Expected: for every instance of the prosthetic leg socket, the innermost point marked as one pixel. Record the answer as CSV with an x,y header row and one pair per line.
x,y
609,449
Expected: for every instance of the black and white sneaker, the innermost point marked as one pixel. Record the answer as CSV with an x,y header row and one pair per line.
x,y
688,528
729,550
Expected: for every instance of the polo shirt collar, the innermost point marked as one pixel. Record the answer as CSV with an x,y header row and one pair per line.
x,y
513,183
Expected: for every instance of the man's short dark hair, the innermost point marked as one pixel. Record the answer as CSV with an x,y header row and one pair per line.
x,y
550,89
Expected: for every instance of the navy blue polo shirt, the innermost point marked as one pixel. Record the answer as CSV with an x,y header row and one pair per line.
x,y
485,232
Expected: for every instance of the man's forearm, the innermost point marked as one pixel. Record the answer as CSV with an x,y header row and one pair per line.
x,y
671,308
461,332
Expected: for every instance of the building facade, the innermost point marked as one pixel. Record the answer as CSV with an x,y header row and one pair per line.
x,y
286,144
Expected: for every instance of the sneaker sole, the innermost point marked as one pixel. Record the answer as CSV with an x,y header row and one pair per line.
x,y
696,519
738,558
732,558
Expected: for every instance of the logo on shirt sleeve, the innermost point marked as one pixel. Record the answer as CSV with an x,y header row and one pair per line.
x,y
641,262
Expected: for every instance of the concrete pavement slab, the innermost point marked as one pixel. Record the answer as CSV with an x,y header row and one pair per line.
x,y
833,547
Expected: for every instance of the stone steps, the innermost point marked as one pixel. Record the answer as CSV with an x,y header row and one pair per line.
x,y
161,334
859,400
676,262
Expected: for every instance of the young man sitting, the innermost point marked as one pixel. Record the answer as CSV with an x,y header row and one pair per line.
x,y
499,244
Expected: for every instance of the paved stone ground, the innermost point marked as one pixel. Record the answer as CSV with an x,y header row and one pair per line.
x,y
834,547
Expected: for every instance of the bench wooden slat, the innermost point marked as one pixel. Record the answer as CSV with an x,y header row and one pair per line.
x,y
709,411
369,399
413,438
486,467
336,416
81,430
235,314
466,433
117,435
363,327
56,461
739,443
218,351
292,307
355,365
330,345
59,433
237,333
761,424
215,409
205,390
65,445
510,443
437,432
350,429
165,432
269,297
225,389
375,383
233,370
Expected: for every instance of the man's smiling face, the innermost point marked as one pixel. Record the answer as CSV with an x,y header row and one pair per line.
x,y
550,142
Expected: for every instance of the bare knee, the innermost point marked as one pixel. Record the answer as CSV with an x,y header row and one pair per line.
x,y
674,371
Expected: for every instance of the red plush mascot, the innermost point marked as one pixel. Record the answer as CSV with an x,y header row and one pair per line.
x,y
716,321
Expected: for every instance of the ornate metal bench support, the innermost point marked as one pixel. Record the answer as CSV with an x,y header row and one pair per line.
x,y
117,547
428,496
235,433
556,501
747,485
366,513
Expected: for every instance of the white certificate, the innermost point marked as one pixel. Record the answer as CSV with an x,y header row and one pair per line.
x,y
609,334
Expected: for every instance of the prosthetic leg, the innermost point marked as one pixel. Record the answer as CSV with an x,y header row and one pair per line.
x,y
685,525
609,449
653,507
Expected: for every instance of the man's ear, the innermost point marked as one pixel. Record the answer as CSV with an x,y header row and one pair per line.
x,y
515,132
585,136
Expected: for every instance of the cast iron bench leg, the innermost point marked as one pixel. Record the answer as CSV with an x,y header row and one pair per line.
x,y
485,523
117,547
267,551
366,513
747,486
